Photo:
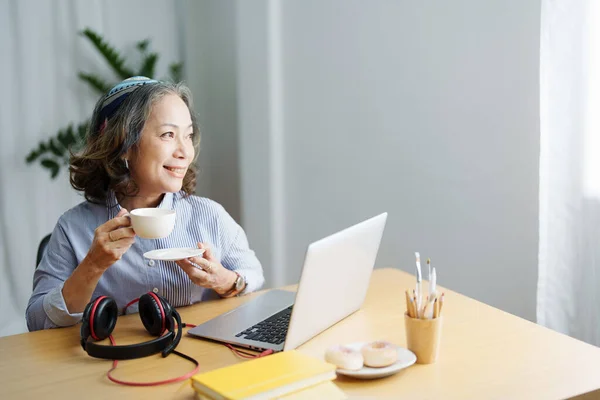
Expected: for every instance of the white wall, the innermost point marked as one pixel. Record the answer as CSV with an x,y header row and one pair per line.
x,y
427,110
209,49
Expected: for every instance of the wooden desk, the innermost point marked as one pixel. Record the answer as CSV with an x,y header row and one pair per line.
x,y
485,354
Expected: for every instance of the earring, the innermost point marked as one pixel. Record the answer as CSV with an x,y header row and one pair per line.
x,y
126,164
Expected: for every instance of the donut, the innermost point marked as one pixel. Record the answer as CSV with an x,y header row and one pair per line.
x,y
379,354
344,357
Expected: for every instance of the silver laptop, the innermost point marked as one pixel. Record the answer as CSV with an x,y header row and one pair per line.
x,y
333,285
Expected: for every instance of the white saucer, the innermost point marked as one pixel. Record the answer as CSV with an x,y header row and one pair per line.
x,y
406,358
174,254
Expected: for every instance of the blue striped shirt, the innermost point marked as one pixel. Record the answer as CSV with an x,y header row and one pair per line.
x,y
197,220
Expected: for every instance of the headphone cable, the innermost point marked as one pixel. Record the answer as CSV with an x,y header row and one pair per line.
x,y
172,380
238,352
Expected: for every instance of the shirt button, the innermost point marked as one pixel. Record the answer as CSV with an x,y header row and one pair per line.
x,y
155,290
151,263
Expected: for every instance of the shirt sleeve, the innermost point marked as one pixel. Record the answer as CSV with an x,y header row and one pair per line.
x,y
47,308
237,255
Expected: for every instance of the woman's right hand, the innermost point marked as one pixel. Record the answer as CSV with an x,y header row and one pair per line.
x,y
111,240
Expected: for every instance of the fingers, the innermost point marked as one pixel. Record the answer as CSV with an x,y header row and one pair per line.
x,y
116,242
111,240
107,243
197,275
121,233
187,264
124,243
200,262
119,221
109,252
207,250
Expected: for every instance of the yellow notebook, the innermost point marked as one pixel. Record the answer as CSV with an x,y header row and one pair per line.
x,y
264,378
325,390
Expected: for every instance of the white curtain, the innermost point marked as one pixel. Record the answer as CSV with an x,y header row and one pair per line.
x,y
569,252
40,55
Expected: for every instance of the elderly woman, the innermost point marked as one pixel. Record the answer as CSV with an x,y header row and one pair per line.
x,y
140,152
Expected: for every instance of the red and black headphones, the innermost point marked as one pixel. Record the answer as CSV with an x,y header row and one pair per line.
x,y
100,318
158,317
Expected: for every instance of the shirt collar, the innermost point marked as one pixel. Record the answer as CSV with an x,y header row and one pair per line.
x,y
113,207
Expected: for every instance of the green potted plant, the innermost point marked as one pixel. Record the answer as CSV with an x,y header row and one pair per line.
x,y
52,154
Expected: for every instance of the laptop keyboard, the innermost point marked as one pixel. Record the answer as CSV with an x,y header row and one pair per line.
x,y
271,330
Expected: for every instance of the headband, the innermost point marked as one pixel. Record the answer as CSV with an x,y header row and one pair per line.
x,y
119,93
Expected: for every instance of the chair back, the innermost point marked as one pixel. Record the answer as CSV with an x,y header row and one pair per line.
x,y
41,249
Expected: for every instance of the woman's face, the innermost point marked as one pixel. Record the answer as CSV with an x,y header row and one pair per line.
x,y
166,148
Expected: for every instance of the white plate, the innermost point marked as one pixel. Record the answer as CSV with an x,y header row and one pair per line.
x,y
406,358
173,254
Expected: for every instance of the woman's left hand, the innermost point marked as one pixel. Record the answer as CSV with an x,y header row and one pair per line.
x,y
208,272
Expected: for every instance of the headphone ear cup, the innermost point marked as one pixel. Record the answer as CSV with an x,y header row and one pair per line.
x,y
85,320
103,318
153,316
169,323
87,311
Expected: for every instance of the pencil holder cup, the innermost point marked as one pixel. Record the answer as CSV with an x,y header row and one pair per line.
x,y
423,338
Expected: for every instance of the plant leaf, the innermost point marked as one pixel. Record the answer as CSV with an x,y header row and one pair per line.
x,y
62,139
52,166
112,56
95,82
70,134
67,137
54,148
82,129
35,154
176,70
142,45
148,65
32,156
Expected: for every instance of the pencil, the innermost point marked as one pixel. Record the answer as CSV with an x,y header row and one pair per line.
x,y
425,310
416,308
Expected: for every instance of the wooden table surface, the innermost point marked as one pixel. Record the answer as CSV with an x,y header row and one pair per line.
x,y
485,354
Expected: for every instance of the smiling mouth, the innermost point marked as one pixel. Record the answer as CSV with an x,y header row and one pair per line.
x,y
176,170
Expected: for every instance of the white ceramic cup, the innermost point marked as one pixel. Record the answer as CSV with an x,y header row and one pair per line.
x,y
152,223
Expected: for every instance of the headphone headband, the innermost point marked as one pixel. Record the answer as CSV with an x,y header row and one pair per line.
x,y
130,351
